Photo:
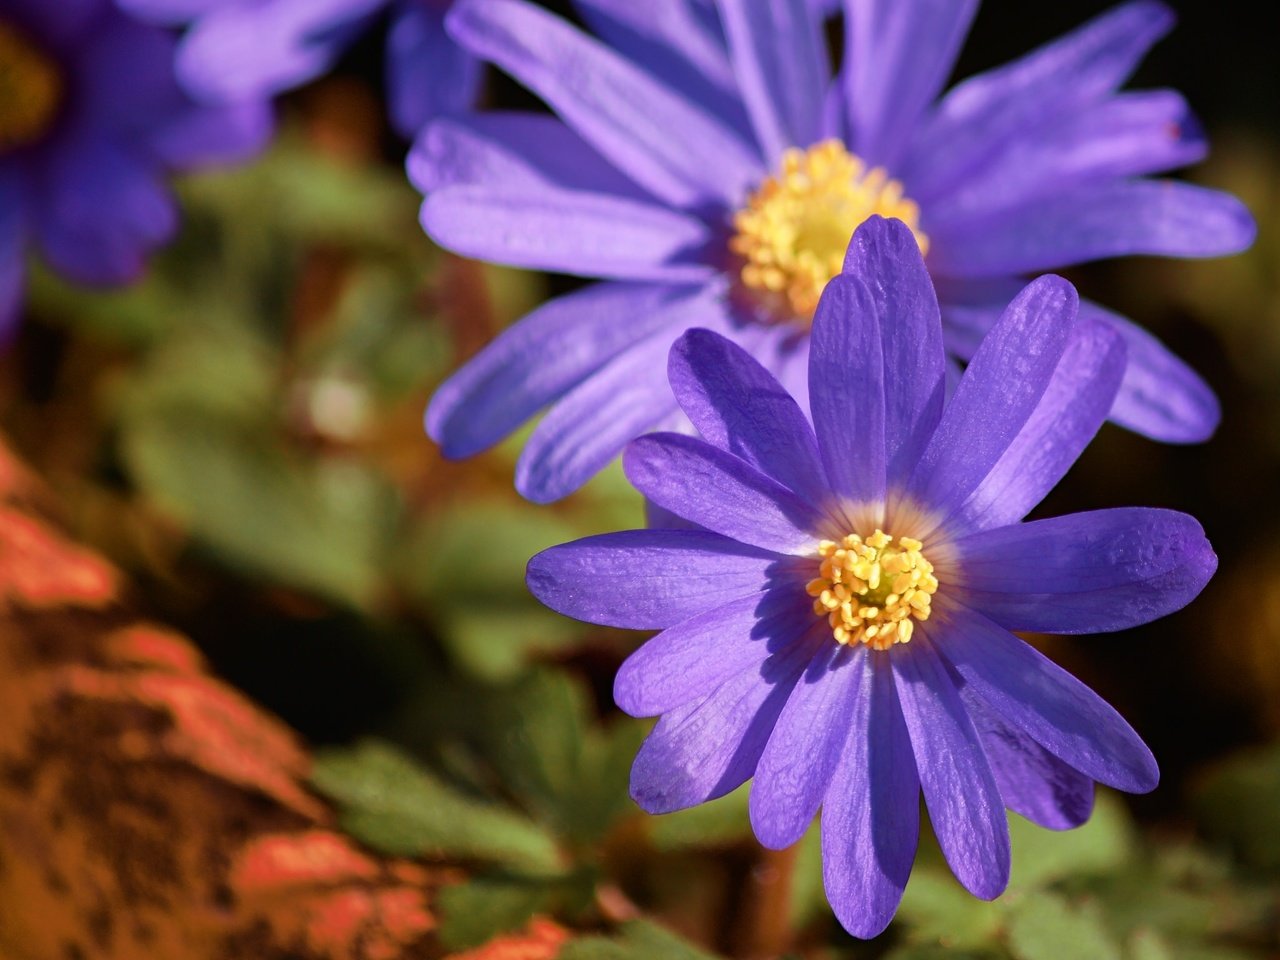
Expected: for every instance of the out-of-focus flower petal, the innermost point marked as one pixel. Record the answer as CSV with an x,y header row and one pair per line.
x,y
628,115
780,59
544,355
1113,219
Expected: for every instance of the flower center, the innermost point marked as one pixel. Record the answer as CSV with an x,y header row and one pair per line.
x,y
793,231
30,90
872,591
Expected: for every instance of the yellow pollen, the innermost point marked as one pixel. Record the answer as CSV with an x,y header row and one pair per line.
x,y
794,230
30,90
873,591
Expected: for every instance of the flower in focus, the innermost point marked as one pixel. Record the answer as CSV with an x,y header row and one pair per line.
x,y
91,120
238,49
836,604
708,170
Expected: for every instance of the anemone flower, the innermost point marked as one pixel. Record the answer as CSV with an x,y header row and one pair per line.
x,y
705,167
836,608
237,49
91,120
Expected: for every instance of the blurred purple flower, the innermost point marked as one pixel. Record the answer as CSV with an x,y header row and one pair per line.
x,y
708,169
237,49
91,120
891,525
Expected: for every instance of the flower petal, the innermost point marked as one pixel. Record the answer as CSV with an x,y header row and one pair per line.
x,y
428,75
172,13
1001,389
1035,695
655,578
546,354
1086,572
720,492
100,210
1073,408
1033,782
13,267
568,231
513,150
1160,217
1122,136
871,814
963,800
978,116
885,257
706,749
60,26
680,41
780,59
847,390
198,136
625,112
591,424
247,51
739,407
899,53
685,661
806,745
1160,396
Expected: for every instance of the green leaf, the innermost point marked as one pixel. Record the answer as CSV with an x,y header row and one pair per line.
x,y
808,898
1148,945
639,940
936,909
1239,803
391,803
486,906
719,823
1045,927
320,526
379,332
1100,845
453,568
925,951
601,795
306,195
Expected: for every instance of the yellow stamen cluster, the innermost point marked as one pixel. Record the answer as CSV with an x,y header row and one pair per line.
x,y
30,90
794,230
872,591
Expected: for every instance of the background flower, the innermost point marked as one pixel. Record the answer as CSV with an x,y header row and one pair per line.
x,y
696,165
837,624
237,49
93,121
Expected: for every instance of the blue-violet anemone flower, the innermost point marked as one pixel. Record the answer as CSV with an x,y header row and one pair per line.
x,y
705,166
238,49
91,120
836,603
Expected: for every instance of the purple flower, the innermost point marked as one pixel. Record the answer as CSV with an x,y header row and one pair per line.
x,y
707,169
237,49
836,605
91,120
